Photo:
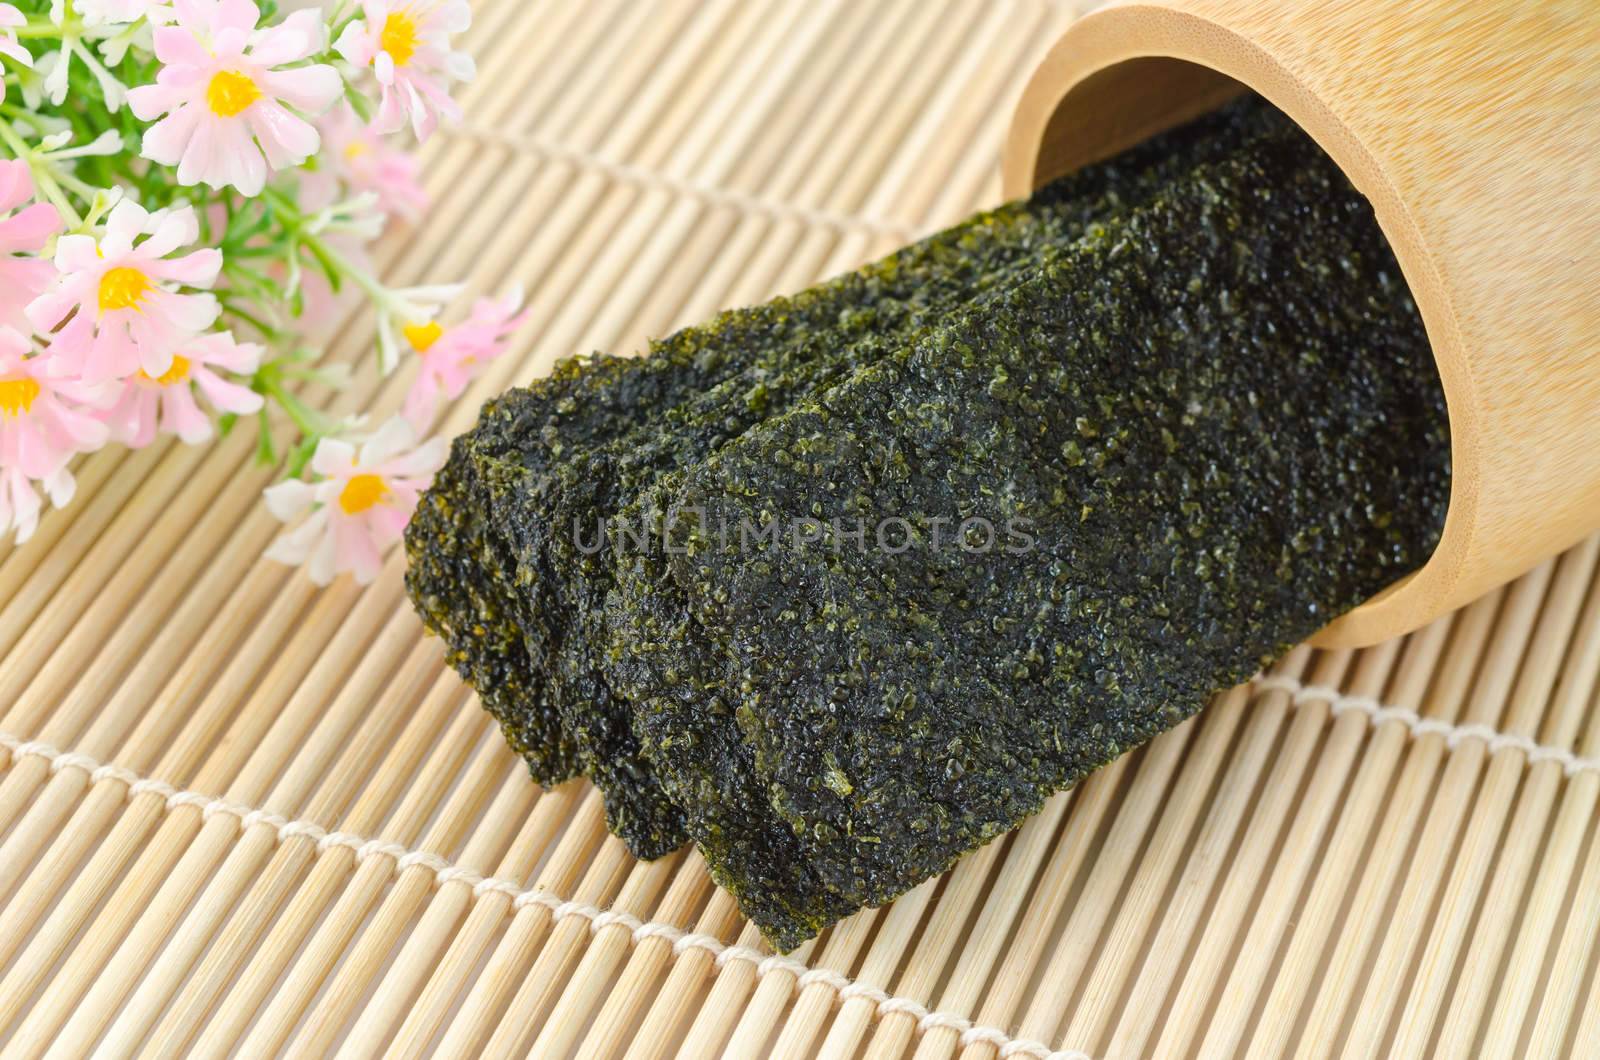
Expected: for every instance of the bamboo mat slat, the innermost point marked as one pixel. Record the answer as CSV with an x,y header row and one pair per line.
x,y
239,814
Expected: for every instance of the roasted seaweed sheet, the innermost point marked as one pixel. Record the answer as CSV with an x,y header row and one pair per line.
x,y
1185,392
523,621
903,706
873,312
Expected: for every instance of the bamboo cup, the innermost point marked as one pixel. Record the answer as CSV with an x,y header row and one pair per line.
x,y
1475,131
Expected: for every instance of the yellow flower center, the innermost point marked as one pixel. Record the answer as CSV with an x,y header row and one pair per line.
x,y
122,288
230,93
17,395
355,149
399,37
422,336
362,492
176,374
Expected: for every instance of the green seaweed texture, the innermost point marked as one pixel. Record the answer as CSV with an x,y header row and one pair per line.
x,y
1024,495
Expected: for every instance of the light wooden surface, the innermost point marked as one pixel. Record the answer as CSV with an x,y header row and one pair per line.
x,y
1474,129
1403,860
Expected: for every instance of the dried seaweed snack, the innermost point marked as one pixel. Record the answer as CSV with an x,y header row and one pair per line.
x,y
1218,424
662,663
583,494
461,576
495,622
854,319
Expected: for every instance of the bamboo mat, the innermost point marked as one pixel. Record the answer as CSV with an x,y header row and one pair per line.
x,y
237,812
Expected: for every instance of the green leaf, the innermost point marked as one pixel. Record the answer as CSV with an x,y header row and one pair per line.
x,y
326,265
266,450
300,456
358,102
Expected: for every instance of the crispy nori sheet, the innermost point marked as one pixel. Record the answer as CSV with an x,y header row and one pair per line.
x,y
815,339
504,626
832,725
1216,419
656,652
461,575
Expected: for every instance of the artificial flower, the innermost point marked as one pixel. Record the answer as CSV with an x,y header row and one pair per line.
x,y
41,426
23,232
408,307
360,505
121,12
233,106
407,44
10,19
356,157
452,357
166,403
113,331
54,68
116,300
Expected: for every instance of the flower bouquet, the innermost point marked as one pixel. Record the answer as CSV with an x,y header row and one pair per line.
x,y
187,193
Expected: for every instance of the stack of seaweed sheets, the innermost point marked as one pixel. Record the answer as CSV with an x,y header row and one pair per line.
x,y
844,585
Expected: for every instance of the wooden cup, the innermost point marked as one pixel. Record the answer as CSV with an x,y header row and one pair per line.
x,y
1474,128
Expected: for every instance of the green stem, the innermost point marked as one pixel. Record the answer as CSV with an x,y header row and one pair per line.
x,y
270,383
83,191
9,137
44,173
294,220
24,115
232,309
44,29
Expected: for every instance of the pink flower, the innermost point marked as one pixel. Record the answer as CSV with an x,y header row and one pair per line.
x,y
10,18
167,402
231,113
117,302
363,160
407,44
26,231
453,357
41,427
359,507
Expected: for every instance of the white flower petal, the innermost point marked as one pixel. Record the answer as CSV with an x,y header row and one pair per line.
x,y
393,437
351,44
288,498
60,487
128,221
334,456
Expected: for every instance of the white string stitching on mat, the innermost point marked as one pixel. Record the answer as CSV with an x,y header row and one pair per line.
x,y
404,858
446,872
716,195
1378,713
